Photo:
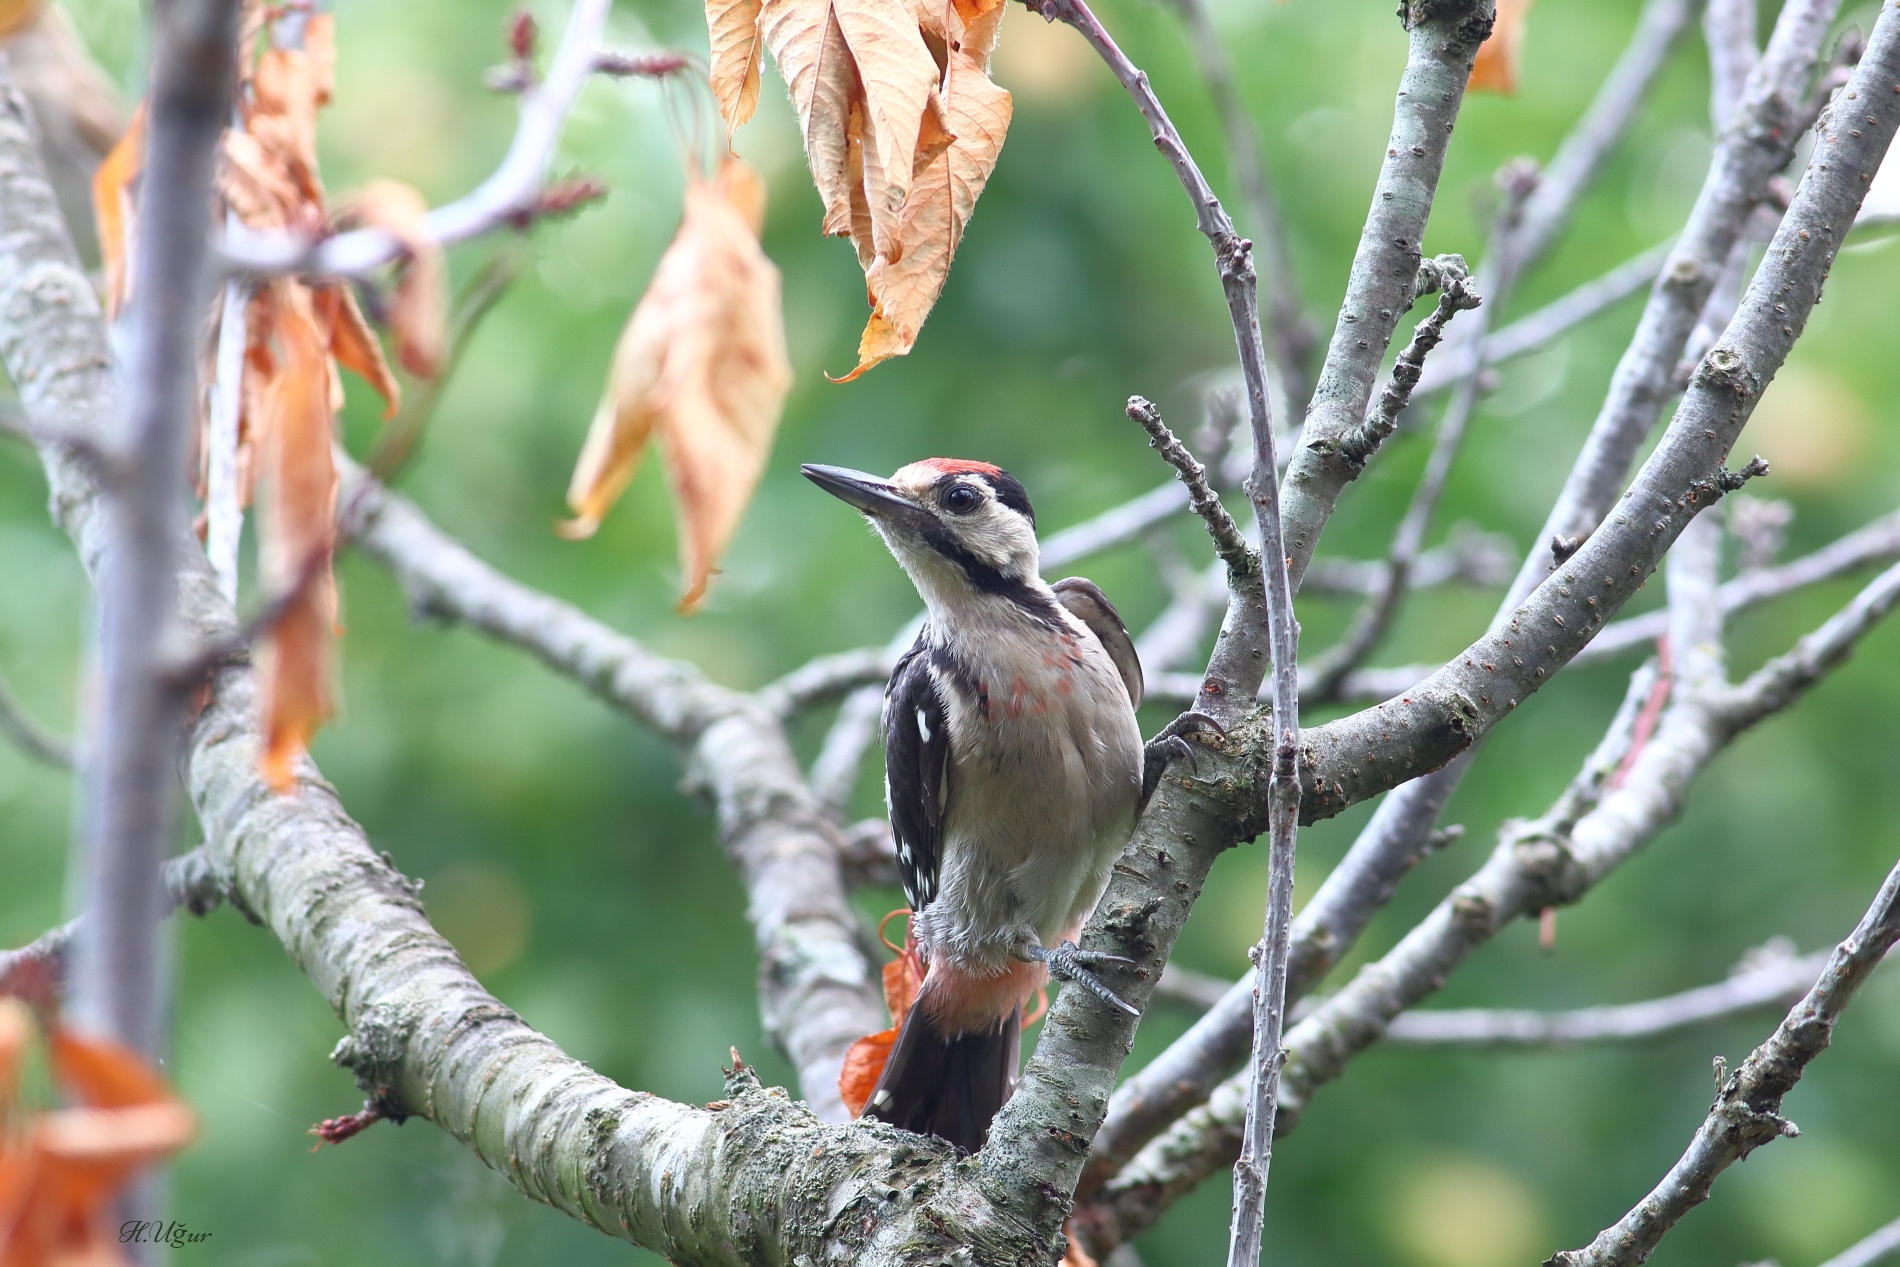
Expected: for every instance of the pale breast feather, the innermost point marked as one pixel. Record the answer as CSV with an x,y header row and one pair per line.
x,y
916,767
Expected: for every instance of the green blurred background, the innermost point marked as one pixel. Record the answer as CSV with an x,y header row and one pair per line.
x,y
589,893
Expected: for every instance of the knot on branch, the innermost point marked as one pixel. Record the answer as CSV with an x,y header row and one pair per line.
x,y
1725,369
1447,277
1562,547
1470,19
1709,491
373,1052
1546,860
1440,272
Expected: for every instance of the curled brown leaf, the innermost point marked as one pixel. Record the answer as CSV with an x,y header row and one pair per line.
x,y
419,318
702,361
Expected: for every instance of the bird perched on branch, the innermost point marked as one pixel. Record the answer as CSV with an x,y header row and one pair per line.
x,y
1014,771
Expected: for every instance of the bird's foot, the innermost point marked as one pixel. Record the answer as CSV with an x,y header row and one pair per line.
x,y
1070,963
1170,745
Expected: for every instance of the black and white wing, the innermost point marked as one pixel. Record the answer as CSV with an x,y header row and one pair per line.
x,y
1088,604
916,767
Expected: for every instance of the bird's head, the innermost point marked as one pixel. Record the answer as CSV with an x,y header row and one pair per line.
x,y
955,526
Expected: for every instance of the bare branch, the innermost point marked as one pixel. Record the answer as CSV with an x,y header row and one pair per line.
x,y
1594,827
1116,526
1870,1249
1756,144
1290,337
29,735
510,192
1747,1112
1455,297
1778,982
1577,161
189,880
1776,683
825,679
1543,327
835,771
1379,290
1202,499
1515,657
816,989
1876,543
132,749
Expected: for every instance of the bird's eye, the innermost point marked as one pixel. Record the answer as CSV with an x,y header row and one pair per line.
x,y
961,499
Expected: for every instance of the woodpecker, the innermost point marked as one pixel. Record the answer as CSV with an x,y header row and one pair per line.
x,y
1014,772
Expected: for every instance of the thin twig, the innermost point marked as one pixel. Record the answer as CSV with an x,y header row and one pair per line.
x,y
1202,499
1539,329
1870,1249
189,880
1876,543
1394,839
1747,1111
29,734
511,190
1779,982
1455,297
1290,338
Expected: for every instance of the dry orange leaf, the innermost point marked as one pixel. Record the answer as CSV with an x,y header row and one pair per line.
x,y
865,1059
904,288
901,124
61,1170
1496,67
420,317
702,360
113,209
299,526
734,27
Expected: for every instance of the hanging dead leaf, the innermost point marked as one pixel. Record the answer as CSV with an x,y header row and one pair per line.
x,y
419,318
355,346
702,360
298,537
1496,67
114,208
904,287
734,27
865,1059
62,1170
809,47
897,78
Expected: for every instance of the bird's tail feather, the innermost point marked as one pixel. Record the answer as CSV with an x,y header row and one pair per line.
x,y
948,1086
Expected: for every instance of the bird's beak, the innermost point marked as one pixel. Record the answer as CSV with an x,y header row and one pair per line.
x,y
868,493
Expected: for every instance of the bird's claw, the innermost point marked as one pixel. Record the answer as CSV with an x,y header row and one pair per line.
x,y
1070,963
1171,745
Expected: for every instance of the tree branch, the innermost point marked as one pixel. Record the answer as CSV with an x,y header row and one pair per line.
x,y
1780,981
1553,861
1747,1111
1869,1250
816,989
127,816
509,193
29,735
1290,337
1379,290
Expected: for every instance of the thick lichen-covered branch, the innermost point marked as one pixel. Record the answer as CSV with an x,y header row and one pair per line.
x,y
816,987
